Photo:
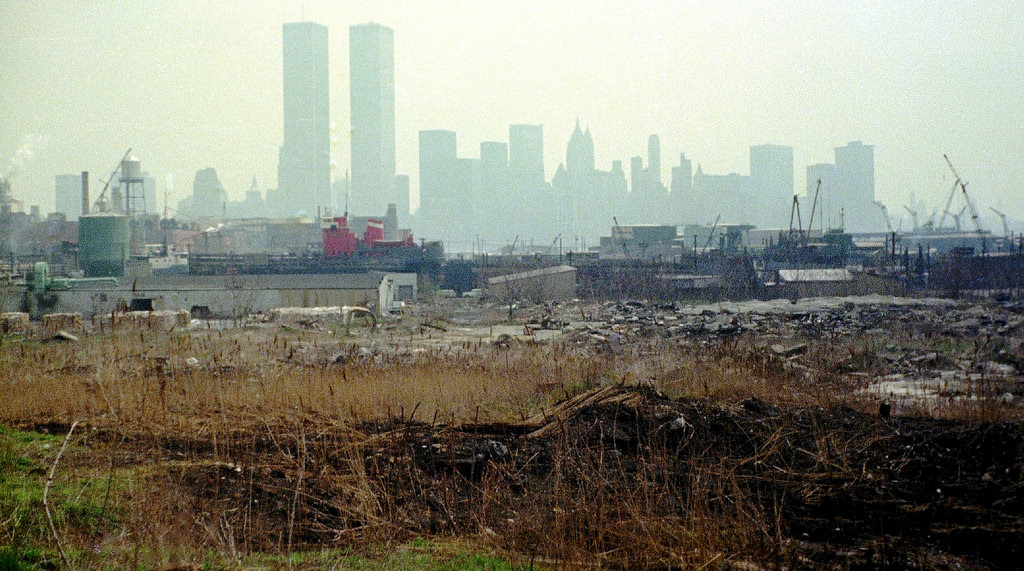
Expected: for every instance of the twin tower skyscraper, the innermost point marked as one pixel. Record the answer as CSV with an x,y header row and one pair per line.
x,y
304,164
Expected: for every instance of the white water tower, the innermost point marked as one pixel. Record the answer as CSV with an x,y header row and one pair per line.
x,y
132,184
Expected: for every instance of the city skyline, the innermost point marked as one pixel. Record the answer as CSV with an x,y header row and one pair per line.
x,y
709,82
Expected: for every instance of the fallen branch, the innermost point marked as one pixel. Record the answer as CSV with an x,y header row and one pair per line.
x,y
46,495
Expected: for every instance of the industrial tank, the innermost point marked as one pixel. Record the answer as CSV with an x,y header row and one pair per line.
x,y
103,244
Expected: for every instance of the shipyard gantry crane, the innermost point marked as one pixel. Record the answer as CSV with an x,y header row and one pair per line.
x,y
1006,227
913,215
963,191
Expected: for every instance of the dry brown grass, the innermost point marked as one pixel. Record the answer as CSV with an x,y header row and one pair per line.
x,y
269,440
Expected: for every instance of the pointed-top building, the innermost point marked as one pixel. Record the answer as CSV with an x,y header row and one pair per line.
x,y
579,154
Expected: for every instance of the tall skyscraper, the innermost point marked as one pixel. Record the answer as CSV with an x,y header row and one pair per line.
x,y
654,158
68,195
304,167
682,179
402,199
855,170
437,172
526,155
372,100
855,188
771,173
494,199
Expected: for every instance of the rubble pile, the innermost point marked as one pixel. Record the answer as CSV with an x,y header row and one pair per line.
x,y
843,317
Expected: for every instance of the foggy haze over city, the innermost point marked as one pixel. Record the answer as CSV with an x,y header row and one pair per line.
x,y
188,86
460,284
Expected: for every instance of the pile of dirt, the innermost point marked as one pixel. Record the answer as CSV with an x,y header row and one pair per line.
x,y
623,476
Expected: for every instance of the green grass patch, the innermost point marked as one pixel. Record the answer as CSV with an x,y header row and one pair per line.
x,y
419,554
83,501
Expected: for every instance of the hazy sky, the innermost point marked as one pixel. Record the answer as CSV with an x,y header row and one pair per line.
x,y
194,84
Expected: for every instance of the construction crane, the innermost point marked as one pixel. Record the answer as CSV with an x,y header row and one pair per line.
x,y
553,242
711,234
913,215
101,201
795,209
963,191
814,205
888,222
957,217
622,236
1006,227
949,202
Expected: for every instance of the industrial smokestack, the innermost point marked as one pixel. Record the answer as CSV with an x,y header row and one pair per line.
x,y
85,192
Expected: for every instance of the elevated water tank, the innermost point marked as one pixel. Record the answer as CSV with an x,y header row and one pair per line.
x,y
131,170
103,244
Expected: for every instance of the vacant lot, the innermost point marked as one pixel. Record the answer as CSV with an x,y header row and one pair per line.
x,y
861,433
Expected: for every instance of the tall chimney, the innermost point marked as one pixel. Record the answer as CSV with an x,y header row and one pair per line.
x,y
85,192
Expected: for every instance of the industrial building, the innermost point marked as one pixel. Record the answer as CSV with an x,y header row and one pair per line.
x,y
219,296
555,283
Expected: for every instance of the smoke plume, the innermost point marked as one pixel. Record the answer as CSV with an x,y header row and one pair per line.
x,y
30,145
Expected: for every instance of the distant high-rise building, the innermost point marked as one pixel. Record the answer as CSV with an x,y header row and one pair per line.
x,y
771,173
438,162
587,198
648,197
727,196
68,195
402,206
579,154
526,154
494,160
855,187
654,159
682,179
855,170
149,193
494,199
636,177
304,167
209,199
372,100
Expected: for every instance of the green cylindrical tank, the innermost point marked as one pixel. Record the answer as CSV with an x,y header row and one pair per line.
x,y
103,244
